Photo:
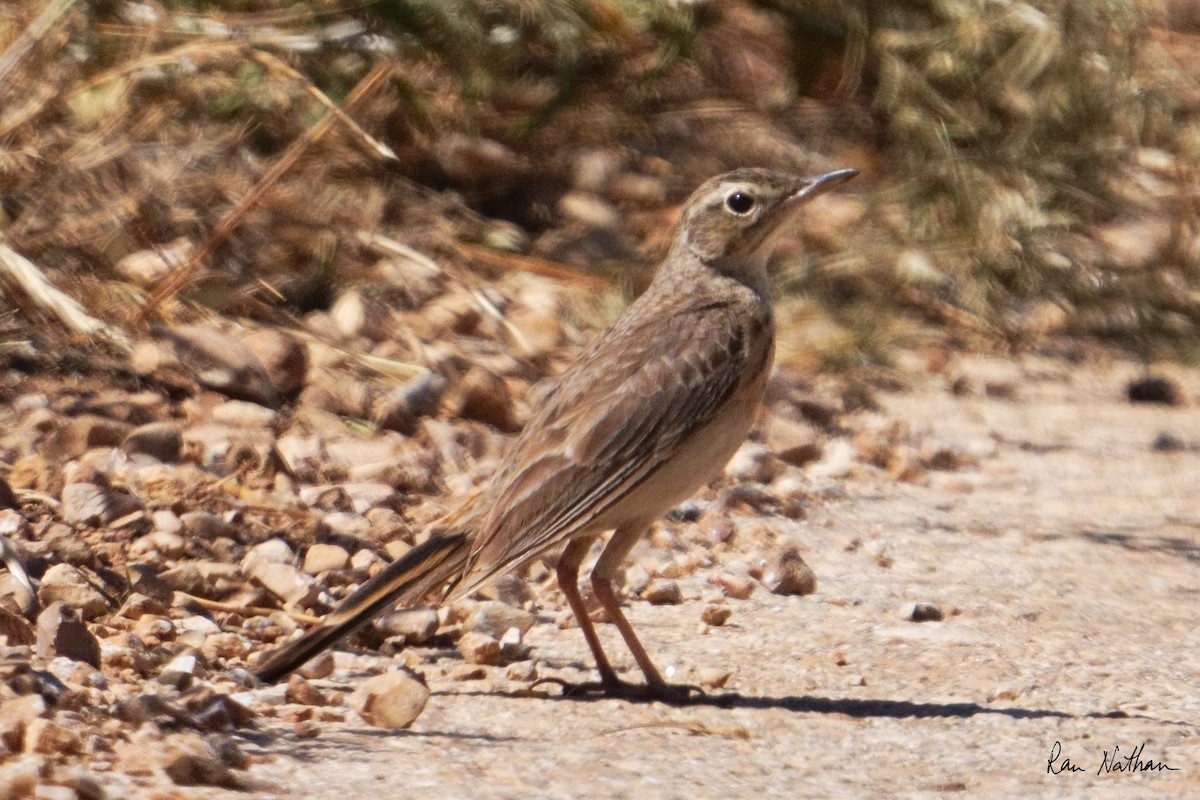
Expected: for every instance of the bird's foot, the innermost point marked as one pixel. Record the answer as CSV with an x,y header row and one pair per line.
x,y
670,693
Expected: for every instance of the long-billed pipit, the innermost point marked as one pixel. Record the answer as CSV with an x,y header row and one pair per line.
x,y
650,411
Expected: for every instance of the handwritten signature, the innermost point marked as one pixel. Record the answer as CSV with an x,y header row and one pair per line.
x,y
1114,762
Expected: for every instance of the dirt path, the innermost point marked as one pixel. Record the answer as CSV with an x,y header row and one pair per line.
x,y
1067,567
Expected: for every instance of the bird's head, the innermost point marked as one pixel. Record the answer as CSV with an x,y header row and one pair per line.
x,y
732,221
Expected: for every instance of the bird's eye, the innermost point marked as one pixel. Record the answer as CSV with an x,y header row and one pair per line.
x,y
739,202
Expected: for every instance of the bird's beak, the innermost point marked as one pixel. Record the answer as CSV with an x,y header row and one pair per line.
x,y
820,185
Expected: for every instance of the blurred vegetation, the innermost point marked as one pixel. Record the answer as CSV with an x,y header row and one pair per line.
x,y
1028,165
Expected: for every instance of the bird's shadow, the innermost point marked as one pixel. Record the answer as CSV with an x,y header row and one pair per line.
x,y
858,708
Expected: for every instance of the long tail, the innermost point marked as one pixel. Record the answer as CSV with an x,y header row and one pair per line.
x,y
413,575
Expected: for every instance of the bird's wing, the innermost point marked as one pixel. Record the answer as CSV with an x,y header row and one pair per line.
x,y
621,412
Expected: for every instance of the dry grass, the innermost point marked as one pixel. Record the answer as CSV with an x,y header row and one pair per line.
x,y
1029,165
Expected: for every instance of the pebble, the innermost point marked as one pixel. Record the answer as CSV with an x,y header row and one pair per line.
x,y
417,624
325,558
207,526
512,646
188,759
161,441
242,414
495,618
752,462
63,583
484,396
714,677
317,667
54,792
180,671
792,442
286,582
15,715
304,693
662,592
390,700
354,314
786,573
222,363
479,648
716,615
48,737
401,408
923,612
738,587
283,357
522,671
93,504
20,776
147,267
1154,389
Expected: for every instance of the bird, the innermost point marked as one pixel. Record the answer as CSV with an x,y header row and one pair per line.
x,y
650,411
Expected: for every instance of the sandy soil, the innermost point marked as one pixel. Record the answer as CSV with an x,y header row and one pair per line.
x,y
1065,562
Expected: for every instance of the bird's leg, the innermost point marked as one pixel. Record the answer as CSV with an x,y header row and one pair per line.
x,y
618,547
568,581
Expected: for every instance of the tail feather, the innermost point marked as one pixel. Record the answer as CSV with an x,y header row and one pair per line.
x,y
413,575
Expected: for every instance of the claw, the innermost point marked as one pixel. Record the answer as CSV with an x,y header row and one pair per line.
x,y
670,693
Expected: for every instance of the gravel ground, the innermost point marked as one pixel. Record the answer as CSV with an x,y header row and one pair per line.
x,y
1064,562
1005,558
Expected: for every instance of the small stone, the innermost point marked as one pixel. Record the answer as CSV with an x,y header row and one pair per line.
x,y
355,314
417,625
180,671
522,671
716,615
714,677
48,792
222,363
752,462
166,545
662,592
283,357
301,691
60,632
243,414
794,443
161,441
63,583
484,396
588,209
147,267
495,618
787,573
468,672
189,760
286,582
207,526
85,786
512,646
390,700
19,777
923,612
1166,442
48,737
325,558
479,648
85,503
738,587
1154,389
636,189
15,628
317,667
86,432
275,551
401,408
15,715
